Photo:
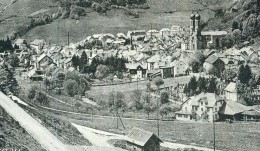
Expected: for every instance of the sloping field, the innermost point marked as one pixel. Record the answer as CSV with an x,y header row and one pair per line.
x,y
18,13
163,13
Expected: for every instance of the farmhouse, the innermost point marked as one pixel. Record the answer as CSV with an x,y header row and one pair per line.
x,y
214,62
141,140
43,61
232,110
136,70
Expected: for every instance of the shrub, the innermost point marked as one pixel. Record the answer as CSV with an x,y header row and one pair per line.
x,y
41,98
32,92
71,87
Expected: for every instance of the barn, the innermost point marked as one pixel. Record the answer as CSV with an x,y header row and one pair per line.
x,y
141,140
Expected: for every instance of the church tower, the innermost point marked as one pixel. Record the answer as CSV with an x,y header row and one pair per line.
x,y
192,24
194,29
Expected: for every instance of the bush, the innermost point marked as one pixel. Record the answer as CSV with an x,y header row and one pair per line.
x,y
41,98
76,11
32,92
96,7
71,87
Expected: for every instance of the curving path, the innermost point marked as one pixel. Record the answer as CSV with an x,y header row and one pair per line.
x,y
100,138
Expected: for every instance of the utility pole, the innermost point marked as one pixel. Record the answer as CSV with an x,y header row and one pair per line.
x,y
151,30
158,124
121,120
116,120
91,114
68,38
115,110
214,133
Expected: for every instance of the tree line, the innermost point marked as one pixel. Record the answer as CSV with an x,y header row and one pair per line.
x,y
140,100
195,86
99,67
8,84
7,45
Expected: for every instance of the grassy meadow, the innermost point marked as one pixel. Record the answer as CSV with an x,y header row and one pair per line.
x,y
229,137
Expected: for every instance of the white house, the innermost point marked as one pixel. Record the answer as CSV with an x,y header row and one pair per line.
x,y
201,107
38,44
179,67
231,93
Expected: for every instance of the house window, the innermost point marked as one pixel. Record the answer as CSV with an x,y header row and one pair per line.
x,y
179,115
185,108
208,109
152,66
201,103
186,116
202,109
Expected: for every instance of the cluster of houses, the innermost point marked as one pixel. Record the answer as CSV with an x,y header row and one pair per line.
x,y
211,107
165,53
144,51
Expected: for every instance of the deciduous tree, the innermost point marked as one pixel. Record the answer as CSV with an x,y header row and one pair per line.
x,y
164,98
71,87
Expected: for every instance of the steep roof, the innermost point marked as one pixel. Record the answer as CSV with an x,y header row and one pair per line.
x,y
211,59
140,137
135,65
209,98
232,87
155,58
42,56
232,108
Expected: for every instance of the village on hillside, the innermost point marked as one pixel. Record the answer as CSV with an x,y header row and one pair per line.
x,y
178,74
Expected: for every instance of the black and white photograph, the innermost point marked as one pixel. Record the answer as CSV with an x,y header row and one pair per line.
x,y
129,75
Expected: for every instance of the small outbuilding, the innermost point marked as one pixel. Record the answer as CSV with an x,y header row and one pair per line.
x,y
141,140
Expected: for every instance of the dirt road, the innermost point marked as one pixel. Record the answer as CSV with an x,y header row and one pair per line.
x,y
33,127
40,133
100,138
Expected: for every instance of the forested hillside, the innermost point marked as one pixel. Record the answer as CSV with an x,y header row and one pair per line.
x,y
241,18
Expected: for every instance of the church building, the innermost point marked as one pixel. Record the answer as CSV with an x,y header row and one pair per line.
x,y
203,39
